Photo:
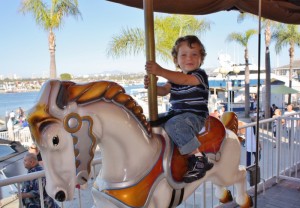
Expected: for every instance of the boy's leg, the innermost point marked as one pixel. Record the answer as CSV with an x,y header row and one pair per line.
x,y
182,129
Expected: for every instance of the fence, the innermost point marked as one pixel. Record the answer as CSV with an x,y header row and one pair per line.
x,y
21,135
280,159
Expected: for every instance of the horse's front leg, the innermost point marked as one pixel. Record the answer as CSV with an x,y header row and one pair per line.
x,y
242,198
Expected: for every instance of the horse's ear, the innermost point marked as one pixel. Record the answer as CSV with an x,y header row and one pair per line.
x,y
62,95
55,98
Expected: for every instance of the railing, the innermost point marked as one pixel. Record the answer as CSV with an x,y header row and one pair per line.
x,y
280,159
21,135
16,181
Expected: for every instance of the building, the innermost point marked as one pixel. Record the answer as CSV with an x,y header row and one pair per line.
x,y
284,70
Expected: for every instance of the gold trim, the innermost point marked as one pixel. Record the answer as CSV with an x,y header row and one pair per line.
x,y
67,119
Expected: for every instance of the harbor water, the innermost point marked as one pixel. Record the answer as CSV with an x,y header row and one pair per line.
x,y
12,101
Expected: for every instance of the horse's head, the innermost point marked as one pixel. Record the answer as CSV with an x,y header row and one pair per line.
x,y
56,128
70,119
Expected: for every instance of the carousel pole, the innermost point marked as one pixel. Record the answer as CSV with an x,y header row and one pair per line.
x,y
150,56
258,107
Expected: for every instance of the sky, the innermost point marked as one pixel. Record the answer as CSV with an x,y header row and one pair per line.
x,y
81,44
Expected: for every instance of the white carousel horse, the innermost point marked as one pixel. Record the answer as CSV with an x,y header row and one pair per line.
x,y
140,167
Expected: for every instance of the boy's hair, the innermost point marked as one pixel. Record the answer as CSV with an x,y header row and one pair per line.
x,y
190,39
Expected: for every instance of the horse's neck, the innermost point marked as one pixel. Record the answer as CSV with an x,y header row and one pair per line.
x,y
128,153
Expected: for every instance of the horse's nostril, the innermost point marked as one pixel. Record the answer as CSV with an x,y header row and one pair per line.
x,y
60,196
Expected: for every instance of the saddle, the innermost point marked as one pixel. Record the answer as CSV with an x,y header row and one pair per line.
x,y
211,140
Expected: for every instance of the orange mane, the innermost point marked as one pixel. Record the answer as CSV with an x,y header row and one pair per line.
x,y
82,94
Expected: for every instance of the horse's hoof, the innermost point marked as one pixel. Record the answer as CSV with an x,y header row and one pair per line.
x,y
248,203
227,198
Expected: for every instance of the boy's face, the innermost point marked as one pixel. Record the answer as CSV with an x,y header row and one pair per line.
x,y
188,58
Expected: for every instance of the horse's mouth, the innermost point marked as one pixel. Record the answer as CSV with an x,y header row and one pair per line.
x,y
60,196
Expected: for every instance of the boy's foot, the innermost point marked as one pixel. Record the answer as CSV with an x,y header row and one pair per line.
x,y
197,167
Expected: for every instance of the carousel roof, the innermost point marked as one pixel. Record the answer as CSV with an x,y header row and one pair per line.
x,y
285,11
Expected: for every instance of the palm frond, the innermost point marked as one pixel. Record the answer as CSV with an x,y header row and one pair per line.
x,y
131,41
38,9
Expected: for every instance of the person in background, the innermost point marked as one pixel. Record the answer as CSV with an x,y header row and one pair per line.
x,y
34,149
10,129
222,110
215,114
30,193
24,122
277,113
12,116
273,108
189,98
289,124
250,138
20,113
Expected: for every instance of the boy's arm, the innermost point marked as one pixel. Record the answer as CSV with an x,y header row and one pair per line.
x,y
163,90
172,76
179,78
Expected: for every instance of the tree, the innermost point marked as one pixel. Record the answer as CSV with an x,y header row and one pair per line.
x,y
267,25
131,41
50,18
287,35
66,76
243,40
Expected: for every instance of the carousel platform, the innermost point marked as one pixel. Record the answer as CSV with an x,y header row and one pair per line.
x,y
285,194
277,195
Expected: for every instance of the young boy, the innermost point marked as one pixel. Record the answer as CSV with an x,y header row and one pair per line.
x,y
189,97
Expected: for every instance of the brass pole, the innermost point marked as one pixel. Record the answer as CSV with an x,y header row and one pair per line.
x,y
150,56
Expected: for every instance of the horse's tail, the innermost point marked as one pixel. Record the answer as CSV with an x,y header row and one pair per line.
x,y
230,121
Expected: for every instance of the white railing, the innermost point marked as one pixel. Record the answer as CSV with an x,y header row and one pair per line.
x,y
21,135
16,181
280,162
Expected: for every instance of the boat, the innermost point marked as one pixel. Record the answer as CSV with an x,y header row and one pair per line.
x,y
140,95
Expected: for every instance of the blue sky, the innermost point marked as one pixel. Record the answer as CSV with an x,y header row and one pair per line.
x,y
81,44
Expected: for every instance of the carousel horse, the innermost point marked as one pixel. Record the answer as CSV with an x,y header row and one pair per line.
x,y
140,165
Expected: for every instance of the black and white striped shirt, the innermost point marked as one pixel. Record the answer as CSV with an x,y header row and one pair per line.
x,y
187,98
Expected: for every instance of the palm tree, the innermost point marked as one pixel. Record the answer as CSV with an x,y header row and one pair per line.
x,y
267,24
287,35
243,40
50,18
131,41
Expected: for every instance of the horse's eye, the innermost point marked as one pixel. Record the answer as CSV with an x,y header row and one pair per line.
x,y
55,140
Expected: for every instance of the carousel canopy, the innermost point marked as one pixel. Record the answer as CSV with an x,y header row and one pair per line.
x,y
285,11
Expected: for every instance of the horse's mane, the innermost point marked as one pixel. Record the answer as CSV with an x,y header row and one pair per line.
x,y
100,90
39,116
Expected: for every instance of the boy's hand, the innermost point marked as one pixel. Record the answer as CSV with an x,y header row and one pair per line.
x,y
153,68
146,81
